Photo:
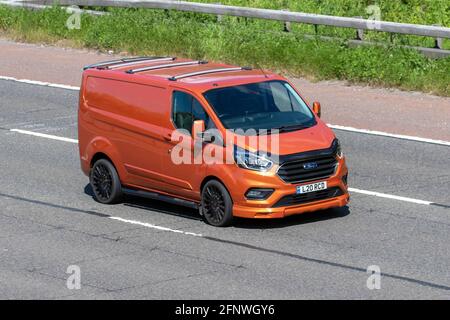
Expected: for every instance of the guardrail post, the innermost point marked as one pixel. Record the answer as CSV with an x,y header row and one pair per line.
x,y
287,24
438,42
359,32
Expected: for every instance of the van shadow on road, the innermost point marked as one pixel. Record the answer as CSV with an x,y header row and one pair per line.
x,y
153,205
188,213
298,219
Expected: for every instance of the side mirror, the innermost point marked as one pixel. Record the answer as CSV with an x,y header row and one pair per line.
x,y
198,127
316,108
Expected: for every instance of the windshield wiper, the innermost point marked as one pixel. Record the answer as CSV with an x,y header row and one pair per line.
x,y
292,128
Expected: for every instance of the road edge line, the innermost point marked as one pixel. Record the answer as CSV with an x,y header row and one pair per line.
x,y
332,126
44,135
390,135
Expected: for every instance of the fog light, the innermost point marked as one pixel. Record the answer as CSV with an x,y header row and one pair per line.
x,y
258,194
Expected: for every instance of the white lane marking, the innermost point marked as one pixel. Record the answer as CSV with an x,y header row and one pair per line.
x,y
41,83
337,127
389,196
43,135
391,135
153,226
367,192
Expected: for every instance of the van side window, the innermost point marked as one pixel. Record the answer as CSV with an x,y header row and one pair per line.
x,y
186,109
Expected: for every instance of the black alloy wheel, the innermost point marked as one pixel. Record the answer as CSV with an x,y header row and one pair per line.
x,y
105,182
216,204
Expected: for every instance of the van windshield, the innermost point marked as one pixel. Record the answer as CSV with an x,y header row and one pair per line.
x,y
262,105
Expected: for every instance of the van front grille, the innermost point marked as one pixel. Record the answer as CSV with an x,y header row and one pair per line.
x,y
310,169
296,199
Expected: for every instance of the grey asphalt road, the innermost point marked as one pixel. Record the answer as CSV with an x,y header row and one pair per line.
x,y
49,221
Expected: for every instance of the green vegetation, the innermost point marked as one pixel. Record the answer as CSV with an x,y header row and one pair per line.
x,y
427,12
407,11
257,42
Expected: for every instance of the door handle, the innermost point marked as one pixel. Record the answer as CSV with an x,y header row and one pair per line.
x,y
168,137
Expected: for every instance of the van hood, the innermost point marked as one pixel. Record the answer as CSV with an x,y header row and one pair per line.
x,y
317,137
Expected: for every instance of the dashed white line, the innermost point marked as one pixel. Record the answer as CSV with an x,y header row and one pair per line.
x,y
366,192
43,135
336,127
153,226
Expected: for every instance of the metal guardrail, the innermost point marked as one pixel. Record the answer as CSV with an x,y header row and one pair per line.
x,y
35,6
279,15
437,32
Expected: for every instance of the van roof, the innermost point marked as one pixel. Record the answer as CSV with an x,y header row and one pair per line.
x,y
184,72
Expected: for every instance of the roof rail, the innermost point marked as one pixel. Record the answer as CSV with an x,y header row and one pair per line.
x,y
126,61
126,64
199,73
168,65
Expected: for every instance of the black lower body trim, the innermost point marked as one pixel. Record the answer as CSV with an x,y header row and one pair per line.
x,y
161,197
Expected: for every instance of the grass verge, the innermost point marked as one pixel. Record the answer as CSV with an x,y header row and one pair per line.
x,y
244,42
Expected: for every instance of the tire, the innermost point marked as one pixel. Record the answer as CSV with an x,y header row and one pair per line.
x,y
105,182
216,205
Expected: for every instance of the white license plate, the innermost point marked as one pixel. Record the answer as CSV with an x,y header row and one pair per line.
x,y
312,187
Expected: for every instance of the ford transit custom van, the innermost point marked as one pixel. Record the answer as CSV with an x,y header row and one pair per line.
x,y
229,141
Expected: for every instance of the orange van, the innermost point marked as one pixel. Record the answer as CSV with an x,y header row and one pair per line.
x,y
150,126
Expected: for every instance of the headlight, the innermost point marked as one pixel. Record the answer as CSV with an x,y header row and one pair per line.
x,y
339,152
252,161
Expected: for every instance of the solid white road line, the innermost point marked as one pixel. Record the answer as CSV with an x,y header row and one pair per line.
x,y
391,135
336,127
367,192
153,226
43,135
389,196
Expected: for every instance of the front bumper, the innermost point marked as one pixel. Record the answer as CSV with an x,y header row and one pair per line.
x,y
268,208
281,212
